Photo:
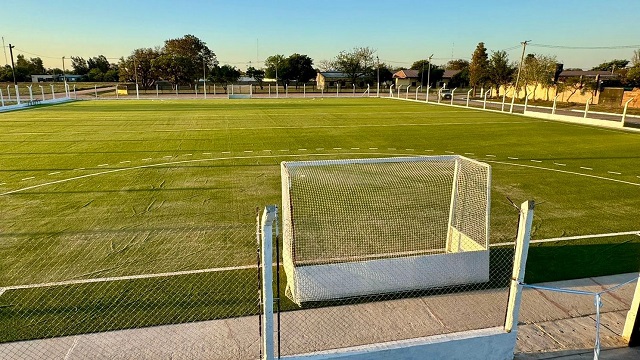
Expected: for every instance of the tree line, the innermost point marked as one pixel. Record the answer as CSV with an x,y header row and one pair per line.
x,y
188,60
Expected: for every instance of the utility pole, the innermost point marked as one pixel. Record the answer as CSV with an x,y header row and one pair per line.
x,y
64,77
378,73
429,76
13,67
515,90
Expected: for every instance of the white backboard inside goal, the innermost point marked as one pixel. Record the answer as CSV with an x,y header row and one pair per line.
x,y
373,226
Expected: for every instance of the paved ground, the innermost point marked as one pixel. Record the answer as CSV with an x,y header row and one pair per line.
x,y
553,326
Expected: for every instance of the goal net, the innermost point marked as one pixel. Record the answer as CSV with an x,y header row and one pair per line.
x,y
373,226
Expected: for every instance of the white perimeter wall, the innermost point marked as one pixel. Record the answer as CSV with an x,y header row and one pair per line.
x,y
485,344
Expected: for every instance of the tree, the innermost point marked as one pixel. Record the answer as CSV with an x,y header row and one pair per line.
x,y
612,65
79,65
326,65
300,68
458,64
224,75
423,71
386,75
277,68
633,76
575,84
635,59
99,62
500,71
181,60
140,63
355,63
479,67
539,71
257,74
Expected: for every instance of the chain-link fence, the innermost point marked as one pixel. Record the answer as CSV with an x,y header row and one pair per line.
x,y
130,287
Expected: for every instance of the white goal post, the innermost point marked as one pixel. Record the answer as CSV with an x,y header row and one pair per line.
x,y
373,226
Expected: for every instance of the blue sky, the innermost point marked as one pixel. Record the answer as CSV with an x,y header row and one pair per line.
x,y
239,31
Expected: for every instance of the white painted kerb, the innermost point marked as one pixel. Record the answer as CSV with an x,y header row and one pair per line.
x,y
484,344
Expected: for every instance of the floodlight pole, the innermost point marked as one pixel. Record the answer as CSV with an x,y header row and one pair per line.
x,y
515,90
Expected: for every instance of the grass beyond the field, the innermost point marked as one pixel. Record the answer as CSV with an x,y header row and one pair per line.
x,y
102,189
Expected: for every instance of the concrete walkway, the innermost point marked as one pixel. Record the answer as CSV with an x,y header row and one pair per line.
x,y
553,326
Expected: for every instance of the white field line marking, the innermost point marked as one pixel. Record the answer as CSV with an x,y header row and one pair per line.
x,y
28,178
302,149
638,177
146,159
319,148
391,148
615,173
585,168
102,165
429,150
536,161
130,277
2,184
266,150
188,154
489,155
125,162
579,237
226,152
277,156
78,169
206,153
512,158
110,171
167,157
54,173
559,164
248,151
449,152
284,150
314,127
337,148
373,148
409,149
565,172
355,148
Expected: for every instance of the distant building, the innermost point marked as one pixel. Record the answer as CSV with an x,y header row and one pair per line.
x,y
406,77
56,77
328,79
446,78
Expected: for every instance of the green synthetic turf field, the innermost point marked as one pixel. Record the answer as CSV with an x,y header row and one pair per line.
x,y
107,189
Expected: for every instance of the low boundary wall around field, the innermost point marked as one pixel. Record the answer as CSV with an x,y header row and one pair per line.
x,y
26,105
575,119
493,343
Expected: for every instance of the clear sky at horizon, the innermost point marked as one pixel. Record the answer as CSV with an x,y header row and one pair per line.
x,y
241,31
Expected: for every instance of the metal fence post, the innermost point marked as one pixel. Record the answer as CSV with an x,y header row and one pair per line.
x,y
268,218
519,264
